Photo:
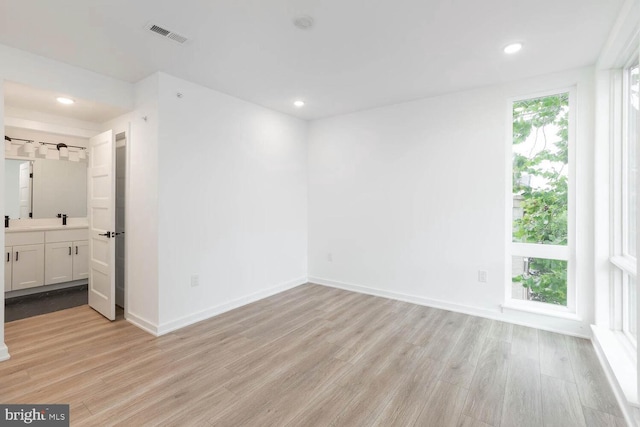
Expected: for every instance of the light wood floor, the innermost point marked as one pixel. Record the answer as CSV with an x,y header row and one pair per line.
x,y
312,356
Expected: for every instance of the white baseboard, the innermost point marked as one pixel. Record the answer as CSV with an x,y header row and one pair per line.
x,y
222,308
142,323
4,352
567,327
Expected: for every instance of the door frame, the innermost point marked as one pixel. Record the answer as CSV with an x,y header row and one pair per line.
x,y
119,126
125,128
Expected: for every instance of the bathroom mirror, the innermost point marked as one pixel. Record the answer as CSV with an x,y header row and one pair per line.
x,y
56,186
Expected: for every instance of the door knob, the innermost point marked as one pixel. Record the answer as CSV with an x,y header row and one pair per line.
x,y
107,234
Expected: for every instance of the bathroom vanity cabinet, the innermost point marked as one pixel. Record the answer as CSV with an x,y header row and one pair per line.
x,y
42,257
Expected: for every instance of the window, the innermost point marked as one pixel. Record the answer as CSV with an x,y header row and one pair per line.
x,y
624,224
541,188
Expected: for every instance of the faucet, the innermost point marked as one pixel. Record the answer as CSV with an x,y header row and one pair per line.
x,y
64,218
6,221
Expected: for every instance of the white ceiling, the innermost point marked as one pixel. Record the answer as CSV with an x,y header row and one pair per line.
x,y
360,53
29,98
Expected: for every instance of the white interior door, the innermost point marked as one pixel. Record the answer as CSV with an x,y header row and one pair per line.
x,y
102,224
25,189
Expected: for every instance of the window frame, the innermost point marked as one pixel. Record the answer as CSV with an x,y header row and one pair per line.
x,y
553,252
623,264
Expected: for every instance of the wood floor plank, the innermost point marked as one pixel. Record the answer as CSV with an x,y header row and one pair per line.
x,y
501,331
486,393
592,383
595,418
444,407
561,403
554,356
282,407
524,341
308,356
461,364
379,385
466,421
299,359
426,327
522,397
443,341
418,321
406,405
325,408
172,389
191,403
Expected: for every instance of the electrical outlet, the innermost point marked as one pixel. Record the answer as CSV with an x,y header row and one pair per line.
x,y
330,257
482,276
195,280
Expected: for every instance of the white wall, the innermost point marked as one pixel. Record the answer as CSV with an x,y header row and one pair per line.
x,y
409,199
232,202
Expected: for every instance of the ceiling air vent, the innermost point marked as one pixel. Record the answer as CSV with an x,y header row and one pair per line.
x,y
165,33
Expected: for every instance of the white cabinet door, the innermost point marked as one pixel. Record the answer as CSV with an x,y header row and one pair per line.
x,y
80,260
28,267
58,263
7,268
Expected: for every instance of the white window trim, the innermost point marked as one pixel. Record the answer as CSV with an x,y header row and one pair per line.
x,y
623,104
565,253
620,259
625,263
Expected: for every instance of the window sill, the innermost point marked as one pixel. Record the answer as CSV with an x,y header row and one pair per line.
x,y
620,356
528,308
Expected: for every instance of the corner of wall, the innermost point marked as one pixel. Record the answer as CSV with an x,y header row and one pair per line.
x,y
142,199
199,316
142,323
4,352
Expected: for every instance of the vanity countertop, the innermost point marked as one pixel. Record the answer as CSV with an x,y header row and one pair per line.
x,y
23,228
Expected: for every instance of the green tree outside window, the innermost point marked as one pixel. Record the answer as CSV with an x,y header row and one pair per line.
x,y
540,184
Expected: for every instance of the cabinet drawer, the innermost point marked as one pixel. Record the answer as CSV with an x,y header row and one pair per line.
x,y
24,238
56,236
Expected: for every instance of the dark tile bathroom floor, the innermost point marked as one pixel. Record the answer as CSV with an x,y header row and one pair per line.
x,y
46,302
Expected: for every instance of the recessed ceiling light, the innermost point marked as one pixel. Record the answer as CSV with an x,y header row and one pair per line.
x,y
512,48
299,104
65,101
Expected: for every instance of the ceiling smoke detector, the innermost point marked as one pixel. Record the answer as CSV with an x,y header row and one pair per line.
x,y
163,32
304,22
